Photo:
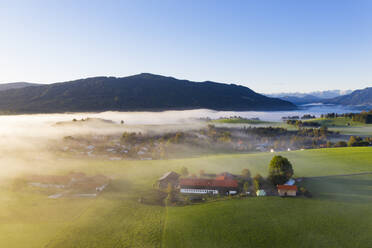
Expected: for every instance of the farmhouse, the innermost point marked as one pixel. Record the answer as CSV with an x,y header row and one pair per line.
x,y
287,190
208,186
170,177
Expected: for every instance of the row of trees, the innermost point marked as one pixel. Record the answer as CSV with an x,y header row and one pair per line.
x,y
300,124
353,141
358,141
364,117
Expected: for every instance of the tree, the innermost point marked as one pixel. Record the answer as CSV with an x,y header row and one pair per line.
x,y
246,187
178,137
341,144
323,130
354,140
170,197
280,170
128,137
225,137
184,171
257,181
246,174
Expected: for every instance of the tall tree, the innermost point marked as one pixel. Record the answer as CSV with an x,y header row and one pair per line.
x,y
246,174
280,170
246,187
257,181
184,171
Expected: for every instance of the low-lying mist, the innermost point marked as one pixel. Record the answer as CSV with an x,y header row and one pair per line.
x,y
26,140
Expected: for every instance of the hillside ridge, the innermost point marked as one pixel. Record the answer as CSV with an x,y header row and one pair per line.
x,y
139,92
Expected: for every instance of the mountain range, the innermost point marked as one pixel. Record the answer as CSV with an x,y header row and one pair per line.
x,y
356,98
327,94
135,93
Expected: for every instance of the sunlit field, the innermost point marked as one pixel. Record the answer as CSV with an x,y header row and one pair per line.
x,y
339,213
185,124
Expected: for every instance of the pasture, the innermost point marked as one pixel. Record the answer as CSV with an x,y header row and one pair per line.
x,y
339,214
345,126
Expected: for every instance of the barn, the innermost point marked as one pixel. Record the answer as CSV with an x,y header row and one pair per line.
x,y
208,186
170,177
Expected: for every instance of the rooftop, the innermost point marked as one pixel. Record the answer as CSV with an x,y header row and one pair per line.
x,y
287,187
208,182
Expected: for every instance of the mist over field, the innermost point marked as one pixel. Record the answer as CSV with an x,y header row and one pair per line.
x,y
25,139
54,145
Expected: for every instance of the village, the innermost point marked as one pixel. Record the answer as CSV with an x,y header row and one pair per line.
x,y
210,139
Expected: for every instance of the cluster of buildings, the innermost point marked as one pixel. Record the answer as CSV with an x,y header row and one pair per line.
x,y
107,147
211,184
75,183
224,183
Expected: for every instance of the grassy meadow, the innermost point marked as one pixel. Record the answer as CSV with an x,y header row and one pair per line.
x,y
339,214
345,126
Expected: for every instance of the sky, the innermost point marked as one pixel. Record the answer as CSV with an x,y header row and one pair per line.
x,y
269,46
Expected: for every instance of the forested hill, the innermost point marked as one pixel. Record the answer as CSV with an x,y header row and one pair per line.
x,y
356,98
139,92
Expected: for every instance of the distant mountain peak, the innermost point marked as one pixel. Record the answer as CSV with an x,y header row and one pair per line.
x,y
362,97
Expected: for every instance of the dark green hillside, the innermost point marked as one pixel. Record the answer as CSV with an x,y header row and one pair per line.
x,y
138,92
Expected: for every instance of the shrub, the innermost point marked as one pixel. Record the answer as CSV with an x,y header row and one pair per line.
x,y
341,144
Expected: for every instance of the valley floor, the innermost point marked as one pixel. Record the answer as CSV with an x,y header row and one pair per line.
x,y
338,215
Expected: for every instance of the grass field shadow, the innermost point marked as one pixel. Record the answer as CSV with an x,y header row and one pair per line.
x,y
351,189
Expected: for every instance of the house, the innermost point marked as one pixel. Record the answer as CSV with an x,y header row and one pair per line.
x,y
170,177
287,190
220,185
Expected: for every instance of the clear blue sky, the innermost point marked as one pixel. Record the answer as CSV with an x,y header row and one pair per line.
x,y
269,46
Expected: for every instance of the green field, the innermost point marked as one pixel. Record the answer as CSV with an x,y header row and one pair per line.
x,y
339,214
345,126
241,121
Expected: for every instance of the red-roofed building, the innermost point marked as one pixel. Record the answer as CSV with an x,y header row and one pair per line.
x,y
225,176
287,190
208,186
